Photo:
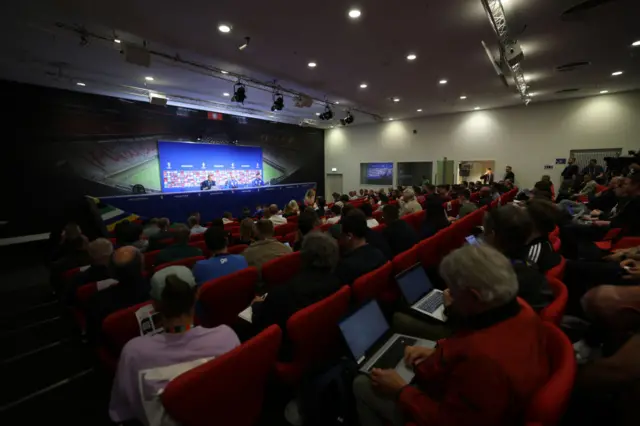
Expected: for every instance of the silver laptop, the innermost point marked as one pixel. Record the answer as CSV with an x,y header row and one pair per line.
x,y
418,292
372,343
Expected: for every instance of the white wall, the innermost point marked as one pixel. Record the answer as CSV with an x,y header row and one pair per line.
x,y
526,138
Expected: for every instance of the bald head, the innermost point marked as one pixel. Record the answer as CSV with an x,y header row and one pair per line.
x,y
181,233
273,209
127,264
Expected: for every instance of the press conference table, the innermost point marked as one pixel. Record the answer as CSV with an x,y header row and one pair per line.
x,y
210,203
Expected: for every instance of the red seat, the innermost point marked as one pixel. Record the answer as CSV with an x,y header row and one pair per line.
x,y
314,335
415,220
282,230
557,272
228,390
373,284
196,237
554,312
548,404
188,262
237,249
117,329
555,233
452,208
70,273
626,242
202,246
293,218
150,259
280,270
556,243
379,228
377,215
225,297
405,260
325,227
290,238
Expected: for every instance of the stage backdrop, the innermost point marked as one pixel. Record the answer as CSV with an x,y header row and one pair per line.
x,y
59,145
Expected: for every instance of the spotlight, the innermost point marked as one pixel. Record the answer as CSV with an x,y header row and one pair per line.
x,y
348,119
278,102
244,45
239,93
327,114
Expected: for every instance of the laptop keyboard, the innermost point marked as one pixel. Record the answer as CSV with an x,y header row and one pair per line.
x,y
394,354
431,303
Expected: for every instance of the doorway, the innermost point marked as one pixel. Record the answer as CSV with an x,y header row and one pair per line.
x,y
334,184
470,171
445,173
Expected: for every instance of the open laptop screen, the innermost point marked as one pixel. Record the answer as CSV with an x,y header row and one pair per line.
x,y
414,283
363,329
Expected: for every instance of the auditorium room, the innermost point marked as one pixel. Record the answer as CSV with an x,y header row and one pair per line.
x,y
360,213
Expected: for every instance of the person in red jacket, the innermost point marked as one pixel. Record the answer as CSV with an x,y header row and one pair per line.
x,y
485,374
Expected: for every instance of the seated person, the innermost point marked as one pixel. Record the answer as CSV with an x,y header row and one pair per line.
x,y
384,200
408,203
127,266
220,263
508,229
485,197
435,217
180,249
151,227
246,232
545,217
336,211
291,209
273,214
482,374
173,293
71,252
227,218
194,226
368,213
265,247
588,187
399,234
606,200
359,257
246,213
100,251
321,209
314,282
164,234
307,221
466,206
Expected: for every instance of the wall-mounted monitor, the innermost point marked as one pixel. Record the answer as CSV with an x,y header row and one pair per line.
x,y
376,173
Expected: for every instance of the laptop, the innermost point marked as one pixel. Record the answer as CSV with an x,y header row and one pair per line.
x,y
418,292
372,343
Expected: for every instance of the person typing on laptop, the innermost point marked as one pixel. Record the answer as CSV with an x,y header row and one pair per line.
x,y
485,374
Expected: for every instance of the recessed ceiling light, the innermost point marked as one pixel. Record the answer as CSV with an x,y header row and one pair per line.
x,y
363,86
411,56
443,82
602,92
476,108
80,83
317,113
224,72
396,99
463,97
636,43
337,103
390,119
312,64
616,73
354,14
225,94
148,78
419,110
116,40
224,28
332,127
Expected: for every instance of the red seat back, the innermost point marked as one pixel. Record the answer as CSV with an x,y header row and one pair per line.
x,y
150,259
281,269
377,215
379,228
557,272
405,260
225,297
549,403
555,310
237,249
188,262
293,219
452,208
282,230
202,246
373,284
325,227
314,335
228,390
196,237
555,243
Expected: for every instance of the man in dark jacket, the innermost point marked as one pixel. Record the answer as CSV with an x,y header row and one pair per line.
x,y
539,249
399,234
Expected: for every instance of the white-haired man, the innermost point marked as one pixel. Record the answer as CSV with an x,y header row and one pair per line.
x,y
486,373
408,203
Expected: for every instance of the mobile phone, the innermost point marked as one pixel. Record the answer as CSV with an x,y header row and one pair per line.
x,y
472,240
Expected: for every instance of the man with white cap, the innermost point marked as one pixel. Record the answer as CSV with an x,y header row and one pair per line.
x,y
173,294
408,203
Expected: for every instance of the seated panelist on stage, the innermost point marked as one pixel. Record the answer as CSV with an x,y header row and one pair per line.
x,y
257,181
232,183
208,184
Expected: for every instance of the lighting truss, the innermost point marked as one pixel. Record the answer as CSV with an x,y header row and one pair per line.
x,y
498,20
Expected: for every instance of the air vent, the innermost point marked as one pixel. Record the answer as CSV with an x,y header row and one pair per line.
x,y
580,9
572,66
563,91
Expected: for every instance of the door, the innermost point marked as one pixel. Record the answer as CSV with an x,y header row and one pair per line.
x,y
444,172
334,184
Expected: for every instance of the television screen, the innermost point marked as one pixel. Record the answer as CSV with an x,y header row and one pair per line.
x,y
376,173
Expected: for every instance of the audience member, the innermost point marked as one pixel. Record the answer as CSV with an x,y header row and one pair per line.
x,y
368,213
180,249
466,206
173,293
435,217
605,201
221,262
71,252
151,228
408,203
130,234
481,375
265,247
246,232
126,266
485,197
570,171
246,213
336,211
156,240
194,226
508,229
100,251
227,217
509,175
321,210
306,223
275,216
291,209
589,186
545,217
359,256
594,170
399,234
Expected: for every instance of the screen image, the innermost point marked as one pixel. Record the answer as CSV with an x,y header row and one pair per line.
x,y
184,166
376,173
414,284
362,329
